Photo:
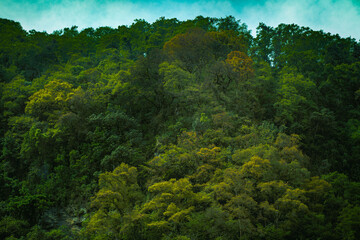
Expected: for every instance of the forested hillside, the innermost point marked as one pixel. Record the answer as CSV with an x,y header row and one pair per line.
x,y
179,130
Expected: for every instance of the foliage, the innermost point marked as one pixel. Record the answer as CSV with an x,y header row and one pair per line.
x,y
179,130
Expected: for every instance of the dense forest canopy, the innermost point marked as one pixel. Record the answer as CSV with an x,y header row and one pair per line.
x,y
179,130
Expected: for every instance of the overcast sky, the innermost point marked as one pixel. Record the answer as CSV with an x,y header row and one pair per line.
x,y
335,16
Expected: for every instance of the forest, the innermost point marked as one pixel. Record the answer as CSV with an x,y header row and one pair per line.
x,y
179,130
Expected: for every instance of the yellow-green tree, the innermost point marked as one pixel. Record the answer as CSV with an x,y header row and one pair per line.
x,y
115,204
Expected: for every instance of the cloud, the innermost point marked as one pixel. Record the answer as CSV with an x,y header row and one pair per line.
x,y
41,15
49,16
150,11
335,16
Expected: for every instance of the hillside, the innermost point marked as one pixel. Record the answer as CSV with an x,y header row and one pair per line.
x,y
179,130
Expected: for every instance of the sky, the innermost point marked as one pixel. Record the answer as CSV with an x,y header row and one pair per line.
x,y
335,16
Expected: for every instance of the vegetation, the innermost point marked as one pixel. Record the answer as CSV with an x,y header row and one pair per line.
x,y
179,130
